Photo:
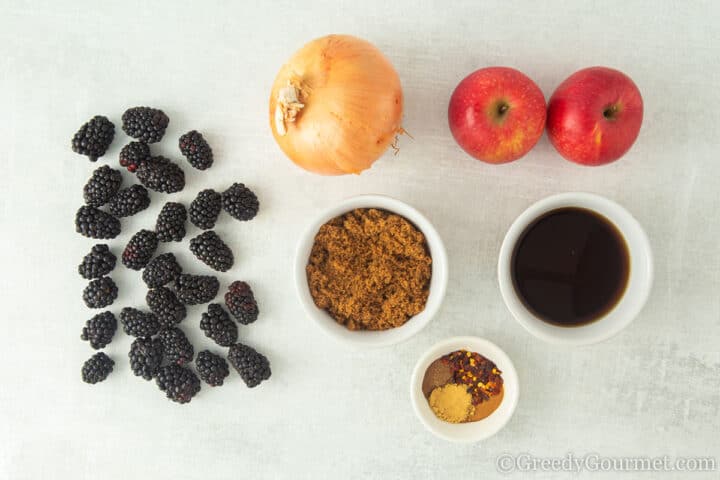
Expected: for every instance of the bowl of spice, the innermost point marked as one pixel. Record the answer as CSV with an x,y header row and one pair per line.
x,y
371,271
464,389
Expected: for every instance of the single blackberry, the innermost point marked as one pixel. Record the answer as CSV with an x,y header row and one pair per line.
x,y
94,137
133,154
176,347
99,330
212,251
179,384
240,300
166,306
97,368
100,261
170,224
212,368
217,325
196,149
137,323
129,201
240,202
161,175
139,250
102,186
252,366
145,124
145,355
204,210
100,293
94,223
196,289
161,270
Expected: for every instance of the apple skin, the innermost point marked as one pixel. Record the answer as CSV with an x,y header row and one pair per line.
x,y
594,116
497,114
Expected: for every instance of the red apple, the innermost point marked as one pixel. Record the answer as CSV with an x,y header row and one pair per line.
x,y
594,116
497,114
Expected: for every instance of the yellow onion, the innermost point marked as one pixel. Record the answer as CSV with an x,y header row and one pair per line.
x,y
336,105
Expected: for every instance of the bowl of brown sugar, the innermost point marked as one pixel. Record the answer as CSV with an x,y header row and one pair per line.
x,y
371,271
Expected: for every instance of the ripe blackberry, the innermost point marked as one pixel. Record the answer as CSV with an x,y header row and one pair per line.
x,y
145,355
129,201
252,366
161,175
166,306
102,186
137,323
94,137
161,270
212,368
100,293
133,154
217,325
99,330
240,300
139,250
176,347
240,202
196,289
97,368
100,261
212,251
204,210
179,384
196,149
94,223
170,224
145,124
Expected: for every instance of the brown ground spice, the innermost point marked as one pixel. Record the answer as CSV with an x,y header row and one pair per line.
x,y
370,269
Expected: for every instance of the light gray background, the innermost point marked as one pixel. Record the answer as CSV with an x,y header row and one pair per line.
x,y
329,411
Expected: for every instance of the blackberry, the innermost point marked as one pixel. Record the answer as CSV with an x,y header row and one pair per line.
x,y
161,270
196,149
139,250
240,300
217,325
145,124
161,175
252,366
196,289
129,201
100,293
100,261
145,355
133,154
137,323
97,368
170,224
212,368
179,384
176,347
166,306
94,137
94,223
240,202
102,186
212,251
204,210
99,330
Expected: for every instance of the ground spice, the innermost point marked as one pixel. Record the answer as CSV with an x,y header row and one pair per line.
x,y
369,269
452,403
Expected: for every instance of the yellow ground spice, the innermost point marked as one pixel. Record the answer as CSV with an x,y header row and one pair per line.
x,y
452,403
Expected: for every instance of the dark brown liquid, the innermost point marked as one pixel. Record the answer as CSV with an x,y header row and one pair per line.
x,y
570,266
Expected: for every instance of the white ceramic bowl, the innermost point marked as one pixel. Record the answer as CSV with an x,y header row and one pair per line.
x,y
473,431
438,281
636,292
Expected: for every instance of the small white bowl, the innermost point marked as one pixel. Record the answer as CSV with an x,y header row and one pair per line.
x,y
438,281
639,281
472,431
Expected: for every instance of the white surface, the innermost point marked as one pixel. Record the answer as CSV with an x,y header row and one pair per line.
x,y
654,389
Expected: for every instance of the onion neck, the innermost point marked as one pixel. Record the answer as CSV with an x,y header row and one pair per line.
x,y
287,106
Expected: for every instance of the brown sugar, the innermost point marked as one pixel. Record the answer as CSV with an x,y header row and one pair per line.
x,y
369,269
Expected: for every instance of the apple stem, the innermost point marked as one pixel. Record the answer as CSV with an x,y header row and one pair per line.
x,y
610,112
502,108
